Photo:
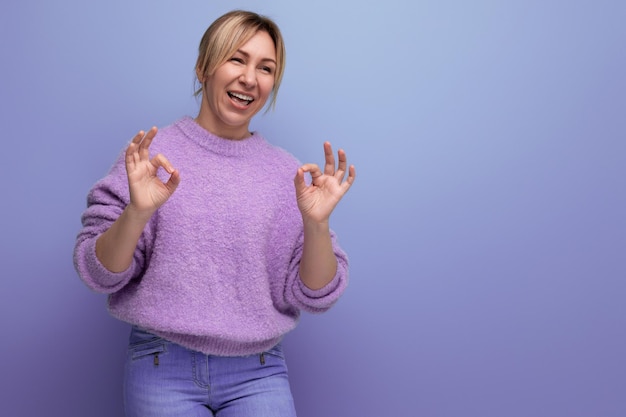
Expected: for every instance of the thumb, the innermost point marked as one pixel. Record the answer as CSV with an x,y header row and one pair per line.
x,y
299,181
173,182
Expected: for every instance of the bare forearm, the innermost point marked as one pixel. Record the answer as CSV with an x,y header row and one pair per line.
x,y
115,247
318,265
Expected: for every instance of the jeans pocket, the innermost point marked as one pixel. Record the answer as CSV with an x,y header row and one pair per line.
x,y
147,349
276,351
143,343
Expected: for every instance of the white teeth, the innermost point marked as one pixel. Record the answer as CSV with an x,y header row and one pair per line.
x,y
241,96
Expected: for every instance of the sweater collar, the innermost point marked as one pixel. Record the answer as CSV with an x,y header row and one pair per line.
x,y
219,145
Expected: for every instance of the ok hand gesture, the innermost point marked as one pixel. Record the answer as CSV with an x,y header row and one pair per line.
x,y
317,200
147,191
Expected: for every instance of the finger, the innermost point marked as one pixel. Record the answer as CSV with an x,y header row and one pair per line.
x,y
298,180
343,164
349,181
131,150
351,175
147,139
329,167
313,170
137,139
173,182
160,160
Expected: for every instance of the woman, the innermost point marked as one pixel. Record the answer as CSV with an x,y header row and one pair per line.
x,y
212,247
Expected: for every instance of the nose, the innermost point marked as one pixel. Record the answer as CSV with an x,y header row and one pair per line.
x,y
248,76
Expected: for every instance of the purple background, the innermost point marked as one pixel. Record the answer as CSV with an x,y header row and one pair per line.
x,y
486,229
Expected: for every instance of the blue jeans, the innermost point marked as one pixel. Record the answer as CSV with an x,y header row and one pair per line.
x,y
163,379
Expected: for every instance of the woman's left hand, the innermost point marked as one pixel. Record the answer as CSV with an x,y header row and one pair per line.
x,y
317,200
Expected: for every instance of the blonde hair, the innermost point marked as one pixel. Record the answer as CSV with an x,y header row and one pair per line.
x,y
227,33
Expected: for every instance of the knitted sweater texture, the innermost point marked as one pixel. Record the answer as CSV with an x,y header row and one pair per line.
x,y
217,267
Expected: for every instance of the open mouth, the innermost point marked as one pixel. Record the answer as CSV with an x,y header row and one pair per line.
x,y
241,98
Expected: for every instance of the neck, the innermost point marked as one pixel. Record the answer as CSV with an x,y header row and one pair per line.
x,y
208,121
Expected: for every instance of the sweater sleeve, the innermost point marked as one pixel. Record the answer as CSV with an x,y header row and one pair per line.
x,y
105,202
316,301
287,243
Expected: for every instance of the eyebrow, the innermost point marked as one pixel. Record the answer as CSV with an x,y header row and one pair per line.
x,y
248,56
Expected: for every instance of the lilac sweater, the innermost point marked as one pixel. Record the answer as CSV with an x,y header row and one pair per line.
x,y
216,268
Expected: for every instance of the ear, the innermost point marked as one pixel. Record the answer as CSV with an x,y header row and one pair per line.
x,y
200,75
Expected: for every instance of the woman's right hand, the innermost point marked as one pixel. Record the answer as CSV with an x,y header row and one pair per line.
x,y
147,191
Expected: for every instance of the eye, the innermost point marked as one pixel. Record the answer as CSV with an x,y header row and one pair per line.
x,y
237,59
268,70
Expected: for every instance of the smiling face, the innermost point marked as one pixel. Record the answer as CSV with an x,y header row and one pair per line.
x,y
238,88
